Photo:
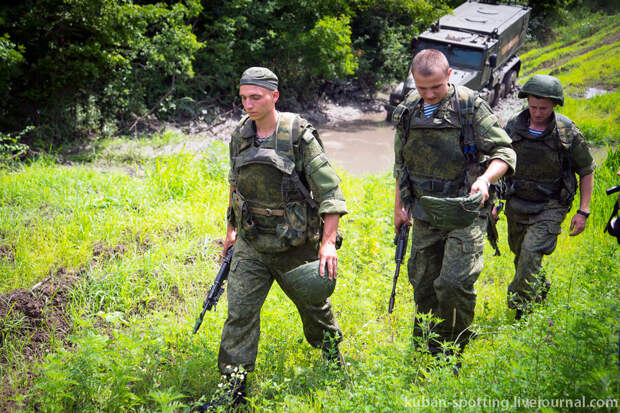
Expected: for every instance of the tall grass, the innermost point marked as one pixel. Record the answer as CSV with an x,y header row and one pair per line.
x,y
131,348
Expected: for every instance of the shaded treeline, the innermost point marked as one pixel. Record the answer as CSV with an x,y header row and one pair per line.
x,y
76,68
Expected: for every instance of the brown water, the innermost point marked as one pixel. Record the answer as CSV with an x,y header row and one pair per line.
x,y
362,146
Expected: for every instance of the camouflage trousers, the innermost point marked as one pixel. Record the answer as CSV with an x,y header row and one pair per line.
x,y
251,275
442,268
529,241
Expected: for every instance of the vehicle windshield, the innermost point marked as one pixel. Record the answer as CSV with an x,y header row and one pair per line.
x,y
457,55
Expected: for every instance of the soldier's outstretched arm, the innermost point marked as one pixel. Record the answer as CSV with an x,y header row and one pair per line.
x,y
400,213
579,221
231,231
497,168
327,252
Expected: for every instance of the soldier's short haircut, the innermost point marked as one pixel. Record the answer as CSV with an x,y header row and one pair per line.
x,y
428,62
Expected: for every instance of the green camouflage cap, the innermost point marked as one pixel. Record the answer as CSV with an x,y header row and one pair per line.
x,y
543,86
307,285
259,76
451,213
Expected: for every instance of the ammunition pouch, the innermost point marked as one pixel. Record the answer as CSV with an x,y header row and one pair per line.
x,y
293,226
292,231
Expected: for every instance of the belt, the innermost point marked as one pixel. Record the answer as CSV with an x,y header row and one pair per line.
x,y
266,211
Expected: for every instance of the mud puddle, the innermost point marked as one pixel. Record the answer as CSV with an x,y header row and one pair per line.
x,y
361,146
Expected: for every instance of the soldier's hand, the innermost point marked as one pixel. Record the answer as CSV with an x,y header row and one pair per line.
x,y
328,257
401,217
482,186
494,213
577,224
229,241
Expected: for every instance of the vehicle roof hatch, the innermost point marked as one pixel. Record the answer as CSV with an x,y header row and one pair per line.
x,y
481,18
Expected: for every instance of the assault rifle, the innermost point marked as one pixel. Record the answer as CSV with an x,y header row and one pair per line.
x,y
492,234
216,289
401,249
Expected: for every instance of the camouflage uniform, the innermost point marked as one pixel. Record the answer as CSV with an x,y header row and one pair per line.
x,y
539,196
278,230
444,264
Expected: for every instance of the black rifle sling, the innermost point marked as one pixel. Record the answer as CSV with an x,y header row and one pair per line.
x,y
468,145
295,178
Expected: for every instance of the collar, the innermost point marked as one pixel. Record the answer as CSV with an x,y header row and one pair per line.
x,y
523,124
248,129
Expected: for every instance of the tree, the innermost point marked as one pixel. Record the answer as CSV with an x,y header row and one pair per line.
x,y
84,61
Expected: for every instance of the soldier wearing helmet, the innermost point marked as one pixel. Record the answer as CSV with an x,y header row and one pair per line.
x,y
284,207
550,151
449,149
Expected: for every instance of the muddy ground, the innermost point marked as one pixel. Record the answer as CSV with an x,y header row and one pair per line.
x,y
30,318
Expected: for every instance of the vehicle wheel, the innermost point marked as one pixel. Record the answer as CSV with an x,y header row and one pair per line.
x,y
509,81
499,93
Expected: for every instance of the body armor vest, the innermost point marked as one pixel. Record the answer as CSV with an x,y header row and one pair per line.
x,y
543,169
439,154
273,209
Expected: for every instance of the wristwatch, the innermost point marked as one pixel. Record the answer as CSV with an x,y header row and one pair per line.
x,y
584,213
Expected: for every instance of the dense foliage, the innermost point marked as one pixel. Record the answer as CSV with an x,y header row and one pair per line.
x,y
71,65
76,68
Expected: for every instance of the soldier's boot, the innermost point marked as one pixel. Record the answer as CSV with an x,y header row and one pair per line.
x,y
234,393
436,350
518,314
331,353
528,306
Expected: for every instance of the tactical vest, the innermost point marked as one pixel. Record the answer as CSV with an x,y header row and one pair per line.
x,y
440,157
273,209
544,169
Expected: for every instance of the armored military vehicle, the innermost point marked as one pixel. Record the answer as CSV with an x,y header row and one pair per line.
x,y
481,40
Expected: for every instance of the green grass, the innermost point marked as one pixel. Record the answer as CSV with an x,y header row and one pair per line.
x,y
597,117
145,249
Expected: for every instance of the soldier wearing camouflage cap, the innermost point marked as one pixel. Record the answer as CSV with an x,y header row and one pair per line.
x,y
449,146
285,204
550,151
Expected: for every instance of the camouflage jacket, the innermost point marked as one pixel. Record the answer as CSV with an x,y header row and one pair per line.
x,y
432,159
282,185
546,163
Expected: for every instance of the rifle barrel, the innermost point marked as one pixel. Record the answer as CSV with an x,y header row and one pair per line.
x,y
613,189
393,295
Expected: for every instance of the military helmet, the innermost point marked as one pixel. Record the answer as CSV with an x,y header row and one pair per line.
x,y
451,213
306,284
543,86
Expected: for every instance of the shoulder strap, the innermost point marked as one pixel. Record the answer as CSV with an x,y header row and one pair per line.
x,y
237,142
465,108
287,139
403,112
288,134
564,127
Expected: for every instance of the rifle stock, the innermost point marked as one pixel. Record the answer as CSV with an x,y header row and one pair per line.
x,y
401,249
216,289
